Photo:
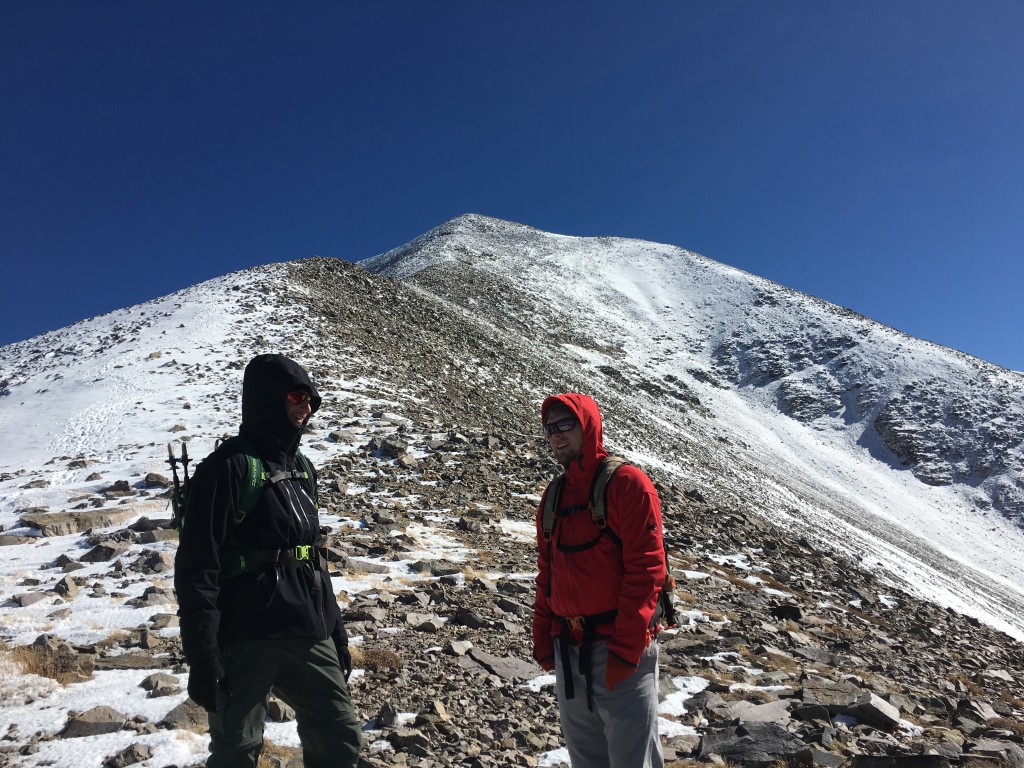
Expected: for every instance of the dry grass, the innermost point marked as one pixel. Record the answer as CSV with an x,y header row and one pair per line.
x,y
784,664
738,675
736,581
771,661
1007,724
971,687
786,763
413,582
41,661
29,661
375,659
863,616
277,756
752,581
769,581
471,573
1012,700
984,762
753,695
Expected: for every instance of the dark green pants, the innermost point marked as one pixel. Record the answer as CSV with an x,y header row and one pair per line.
x,y
307,677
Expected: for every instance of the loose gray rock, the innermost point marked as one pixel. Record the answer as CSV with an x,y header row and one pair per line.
x,y
756,745
105,552
94,722
136,753
155,480
65,523
187,716
508,668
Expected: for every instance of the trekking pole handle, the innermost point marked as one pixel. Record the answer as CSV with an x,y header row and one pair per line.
x,y
176,491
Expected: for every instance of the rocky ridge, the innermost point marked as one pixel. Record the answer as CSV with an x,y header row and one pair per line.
x,y
805,357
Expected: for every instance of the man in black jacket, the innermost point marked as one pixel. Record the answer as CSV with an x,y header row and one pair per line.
x,y
257,609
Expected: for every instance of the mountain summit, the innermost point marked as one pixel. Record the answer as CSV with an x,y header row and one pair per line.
x,y
808,411
839,497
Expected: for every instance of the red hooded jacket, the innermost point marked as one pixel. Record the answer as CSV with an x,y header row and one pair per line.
x,y
604,577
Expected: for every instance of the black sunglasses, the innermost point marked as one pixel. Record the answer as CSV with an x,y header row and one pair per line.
x,y
562,425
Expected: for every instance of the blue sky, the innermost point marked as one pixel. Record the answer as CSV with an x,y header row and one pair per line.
x,y
869,153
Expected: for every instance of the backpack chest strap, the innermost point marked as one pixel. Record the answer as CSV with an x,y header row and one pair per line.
x,y
589,544
235,562
597,499
293,474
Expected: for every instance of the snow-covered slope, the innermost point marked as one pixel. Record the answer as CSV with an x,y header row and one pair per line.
x,y
904,453
765,402
112,390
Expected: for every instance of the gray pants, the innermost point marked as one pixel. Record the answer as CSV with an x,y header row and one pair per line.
x,y
622,731
307,677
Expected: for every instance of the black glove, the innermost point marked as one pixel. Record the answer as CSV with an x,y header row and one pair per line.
x,y
205,679
340,638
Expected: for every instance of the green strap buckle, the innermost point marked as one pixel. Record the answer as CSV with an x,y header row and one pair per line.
x,y
302,551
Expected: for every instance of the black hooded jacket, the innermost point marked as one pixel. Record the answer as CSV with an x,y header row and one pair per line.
x,y
286,598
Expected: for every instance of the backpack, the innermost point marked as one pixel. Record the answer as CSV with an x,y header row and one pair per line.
x,y
597,503
257,480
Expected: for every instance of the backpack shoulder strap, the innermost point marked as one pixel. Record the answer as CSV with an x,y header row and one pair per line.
x,y
255,476
599,488
255,481
308,476
552,496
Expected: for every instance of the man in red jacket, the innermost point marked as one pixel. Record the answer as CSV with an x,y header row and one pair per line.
x,y
597,593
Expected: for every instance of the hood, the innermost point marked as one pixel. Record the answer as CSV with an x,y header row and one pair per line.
x,y
585,409
267,381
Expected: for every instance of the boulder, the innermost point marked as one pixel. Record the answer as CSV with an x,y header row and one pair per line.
x,y
507,668
136,753
93,722
756,745
65,523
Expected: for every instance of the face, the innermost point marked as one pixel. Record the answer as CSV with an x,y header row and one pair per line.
x,y
298,412
564,445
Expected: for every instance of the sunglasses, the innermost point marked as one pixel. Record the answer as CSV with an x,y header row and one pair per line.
x,y
562,425
299,398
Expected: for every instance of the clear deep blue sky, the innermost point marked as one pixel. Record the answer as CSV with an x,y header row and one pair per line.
x,y
869,153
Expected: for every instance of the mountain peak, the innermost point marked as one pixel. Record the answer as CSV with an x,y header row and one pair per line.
x,y
836,496
447,242
632,318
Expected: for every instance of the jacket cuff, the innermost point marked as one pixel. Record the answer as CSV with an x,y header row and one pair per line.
x,y
627,655
339,635
624,660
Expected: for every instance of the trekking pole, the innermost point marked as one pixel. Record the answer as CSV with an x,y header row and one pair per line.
x,y
180,490
184,470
